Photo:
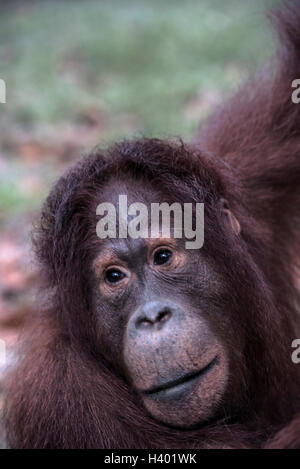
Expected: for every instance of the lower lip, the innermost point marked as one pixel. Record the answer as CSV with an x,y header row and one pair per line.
x,y
175,392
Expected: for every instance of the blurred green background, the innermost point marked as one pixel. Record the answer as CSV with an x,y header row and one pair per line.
x,y
80,73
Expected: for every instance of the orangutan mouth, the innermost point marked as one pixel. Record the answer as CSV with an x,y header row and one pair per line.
x,y
180,384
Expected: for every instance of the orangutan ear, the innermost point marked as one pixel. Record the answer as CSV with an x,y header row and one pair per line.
x,y
232,220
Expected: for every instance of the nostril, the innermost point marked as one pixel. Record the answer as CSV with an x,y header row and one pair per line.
x,y
163,316
152,316
144,323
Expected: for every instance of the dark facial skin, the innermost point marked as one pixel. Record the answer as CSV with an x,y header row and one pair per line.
x,y
157,325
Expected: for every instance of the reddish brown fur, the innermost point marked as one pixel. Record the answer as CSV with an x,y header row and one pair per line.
x,y
63,394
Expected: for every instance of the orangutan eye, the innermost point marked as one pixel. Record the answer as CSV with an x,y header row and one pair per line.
x,y
162,256
114,275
